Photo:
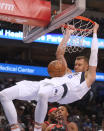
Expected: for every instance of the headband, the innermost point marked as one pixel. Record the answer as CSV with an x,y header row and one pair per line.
x,y
52,109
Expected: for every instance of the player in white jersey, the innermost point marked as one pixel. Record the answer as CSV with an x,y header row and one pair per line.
x,y
66,89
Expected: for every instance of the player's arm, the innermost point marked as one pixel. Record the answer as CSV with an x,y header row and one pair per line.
x,y
91,74
72,126
62,47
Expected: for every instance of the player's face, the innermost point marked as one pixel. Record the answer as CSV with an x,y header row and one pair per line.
x,y
52,114
80,65
62,111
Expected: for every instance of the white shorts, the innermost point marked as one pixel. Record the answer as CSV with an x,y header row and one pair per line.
x,y
24,90
28,90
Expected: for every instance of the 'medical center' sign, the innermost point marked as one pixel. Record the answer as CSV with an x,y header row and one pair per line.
x,y
33,70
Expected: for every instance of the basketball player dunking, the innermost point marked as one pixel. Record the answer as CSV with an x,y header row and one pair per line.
x,y
66,89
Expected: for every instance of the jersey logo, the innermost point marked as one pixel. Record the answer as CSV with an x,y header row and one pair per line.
x,y
71,75
56,92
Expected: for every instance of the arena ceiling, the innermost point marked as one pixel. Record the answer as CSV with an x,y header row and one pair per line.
x,y
17,52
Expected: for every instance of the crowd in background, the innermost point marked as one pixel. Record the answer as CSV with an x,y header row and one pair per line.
x,y
88,113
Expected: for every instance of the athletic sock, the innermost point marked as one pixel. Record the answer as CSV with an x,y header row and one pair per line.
x,y
35,129
15,127
37,126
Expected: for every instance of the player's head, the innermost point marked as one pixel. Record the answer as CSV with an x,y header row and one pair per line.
x,y
81,64
51,113
56,68
63,112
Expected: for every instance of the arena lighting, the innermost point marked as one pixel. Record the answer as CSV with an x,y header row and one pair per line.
x,y
33,70
47,38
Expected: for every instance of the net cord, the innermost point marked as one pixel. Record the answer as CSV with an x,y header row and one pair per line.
x,y
83,28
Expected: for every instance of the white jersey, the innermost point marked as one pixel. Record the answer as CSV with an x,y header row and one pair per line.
x,y
76,89
71,80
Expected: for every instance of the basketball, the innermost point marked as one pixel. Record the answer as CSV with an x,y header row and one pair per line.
x,y
56,68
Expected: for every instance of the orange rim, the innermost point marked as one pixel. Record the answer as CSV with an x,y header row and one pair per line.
x,y
85,19
80,18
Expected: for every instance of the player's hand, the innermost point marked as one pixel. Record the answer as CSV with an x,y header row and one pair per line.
x,y
70,29
96,26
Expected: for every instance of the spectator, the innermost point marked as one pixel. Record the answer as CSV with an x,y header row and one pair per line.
x,y
103,124
87,125
51,118
3,125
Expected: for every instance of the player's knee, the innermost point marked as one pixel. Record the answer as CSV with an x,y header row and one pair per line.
x,y
42,96
3,97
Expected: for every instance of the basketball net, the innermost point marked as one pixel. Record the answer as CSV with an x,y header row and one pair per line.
x,y
83,27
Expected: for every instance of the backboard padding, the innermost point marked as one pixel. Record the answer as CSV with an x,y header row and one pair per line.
x,y
66,15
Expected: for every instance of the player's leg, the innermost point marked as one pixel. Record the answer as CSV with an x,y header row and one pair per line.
x,y
24,90
6,97
46,94
41,109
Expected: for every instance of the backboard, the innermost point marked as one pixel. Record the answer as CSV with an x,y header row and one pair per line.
x,y
65,10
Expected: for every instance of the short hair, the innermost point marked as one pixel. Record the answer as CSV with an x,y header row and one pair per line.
x,y
68,108
82,57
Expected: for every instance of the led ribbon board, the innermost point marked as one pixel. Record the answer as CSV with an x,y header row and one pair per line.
x,y
22,69
33,70
48,38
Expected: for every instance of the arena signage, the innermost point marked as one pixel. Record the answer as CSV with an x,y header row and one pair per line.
x,y
48,38
33,70
22,69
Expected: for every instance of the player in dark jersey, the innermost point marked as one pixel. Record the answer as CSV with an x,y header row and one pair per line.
x,y
51,118
62,114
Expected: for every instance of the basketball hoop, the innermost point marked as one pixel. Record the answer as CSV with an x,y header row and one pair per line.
x,y
83,27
